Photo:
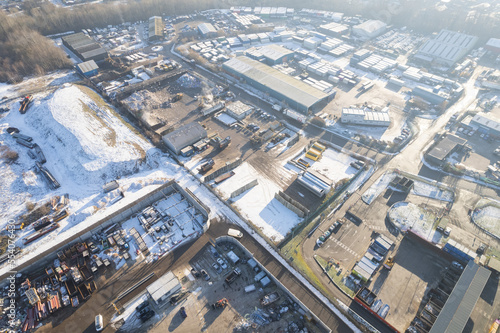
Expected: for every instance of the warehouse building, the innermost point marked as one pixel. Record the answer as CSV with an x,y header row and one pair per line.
x,y
369,29
333,29
429,95
207,30
164,288
462,300
365,116
184,136
155,28
445,148
84,47
88,68
446,48
493,45
275,54
486,123
295,93
239,110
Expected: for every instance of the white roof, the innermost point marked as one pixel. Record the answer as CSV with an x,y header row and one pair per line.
x,y
493,42
167,284
448,45
371,26
239,108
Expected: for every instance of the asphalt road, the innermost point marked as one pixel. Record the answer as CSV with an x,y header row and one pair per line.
x,y
82,319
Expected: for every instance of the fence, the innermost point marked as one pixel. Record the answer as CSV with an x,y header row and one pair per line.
x,y
292,204
244,188
224,169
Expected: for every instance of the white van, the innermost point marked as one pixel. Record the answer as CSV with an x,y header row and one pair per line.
x,y
98,323
250,288
234,233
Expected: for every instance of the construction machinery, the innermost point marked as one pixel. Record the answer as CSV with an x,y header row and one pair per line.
x,y
176,97
207,166
220,303
219,143
25,104
389,263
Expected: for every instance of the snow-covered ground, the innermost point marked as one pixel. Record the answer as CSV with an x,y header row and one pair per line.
x,y
378,187
432,191
258,203
334,165
406,215
487,215
85,144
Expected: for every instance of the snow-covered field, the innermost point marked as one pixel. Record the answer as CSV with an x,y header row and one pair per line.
x,y
258,203
85,145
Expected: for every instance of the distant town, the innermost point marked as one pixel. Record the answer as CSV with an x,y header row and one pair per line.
x,y
252,169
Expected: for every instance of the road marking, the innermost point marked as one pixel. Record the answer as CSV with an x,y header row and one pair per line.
x,y
345,247
376,227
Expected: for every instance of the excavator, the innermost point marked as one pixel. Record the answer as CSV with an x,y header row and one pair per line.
x,y
389,263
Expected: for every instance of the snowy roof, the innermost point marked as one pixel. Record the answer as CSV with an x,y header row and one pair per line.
x,y
275,52
166,285
239,108
487,120
206,28
448,45
185,136
273,79
87,66
370,27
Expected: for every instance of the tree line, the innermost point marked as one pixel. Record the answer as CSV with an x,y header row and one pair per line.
x,y
24,50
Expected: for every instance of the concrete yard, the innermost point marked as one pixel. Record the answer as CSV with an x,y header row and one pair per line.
x,y
417,269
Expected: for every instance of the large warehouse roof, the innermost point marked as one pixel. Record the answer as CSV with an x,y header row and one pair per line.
x,y
273,79
206,28
456,312
448,46
275,52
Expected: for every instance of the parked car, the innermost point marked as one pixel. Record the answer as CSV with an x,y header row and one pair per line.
x,y
205,274
98,323
217,268
222,263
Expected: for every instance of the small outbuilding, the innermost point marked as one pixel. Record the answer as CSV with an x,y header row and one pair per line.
x,y
164,287
239,110
88,68
184,136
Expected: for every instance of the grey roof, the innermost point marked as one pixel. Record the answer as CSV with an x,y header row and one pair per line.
x,y
94,53
448,45
457,309
493,42
185,136
487,120
445,146
205,28
283,84
275,52
166,285
87,66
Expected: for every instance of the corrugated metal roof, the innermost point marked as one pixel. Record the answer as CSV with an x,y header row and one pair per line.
x,y
448,45
283,84
206,28
275,52
185,136
167,285
457,309
87,66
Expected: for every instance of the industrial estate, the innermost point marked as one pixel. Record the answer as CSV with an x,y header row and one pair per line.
x,y
254,169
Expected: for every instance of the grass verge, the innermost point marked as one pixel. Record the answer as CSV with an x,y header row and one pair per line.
x,y
333,275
